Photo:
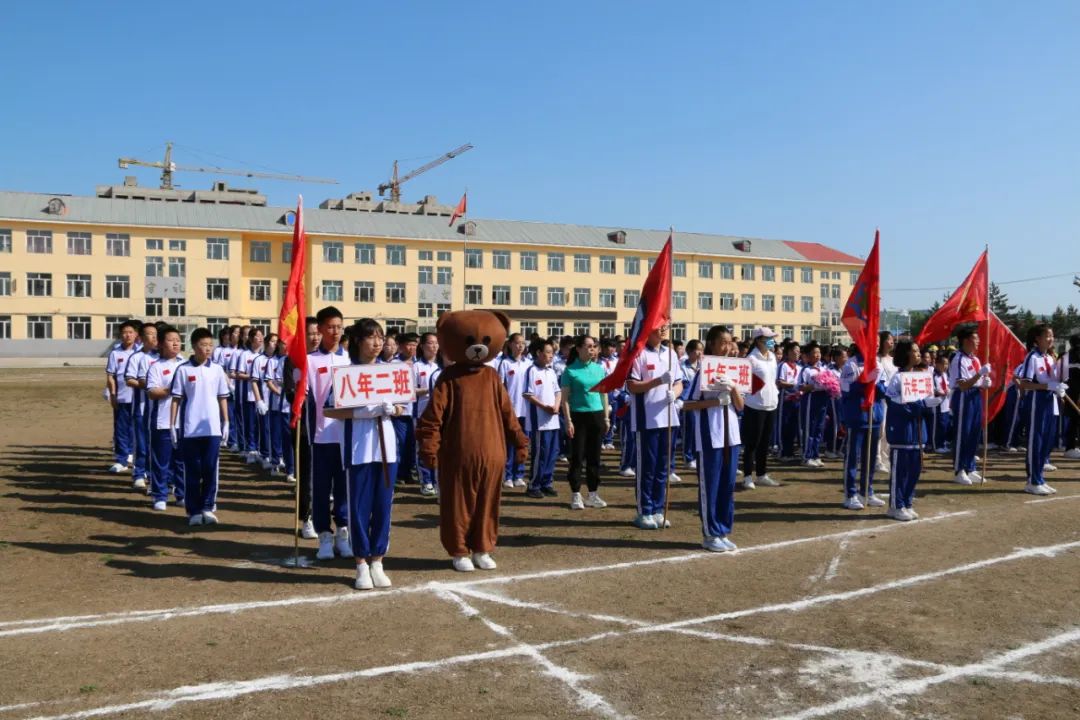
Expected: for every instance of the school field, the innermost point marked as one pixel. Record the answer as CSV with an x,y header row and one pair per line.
x,y
112,610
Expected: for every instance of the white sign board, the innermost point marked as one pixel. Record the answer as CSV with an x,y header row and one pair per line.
x,y
737,370
360,385
916,386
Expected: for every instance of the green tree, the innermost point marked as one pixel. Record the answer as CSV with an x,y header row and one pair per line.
x,y
999,303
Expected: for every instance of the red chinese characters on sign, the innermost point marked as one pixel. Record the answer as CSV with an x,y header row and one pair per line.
x,y
737,370
916,386
359,385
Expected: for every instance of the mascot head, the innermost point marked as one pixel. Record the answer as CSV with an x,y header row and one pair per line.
x,y
472,337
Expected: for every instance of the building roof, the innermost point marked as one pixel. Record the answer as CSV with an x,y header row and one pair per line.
x,y
33,207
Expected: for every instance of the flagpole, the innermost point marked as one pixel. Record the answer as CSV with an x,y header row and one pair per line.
x,y
299,479
671,306
986,360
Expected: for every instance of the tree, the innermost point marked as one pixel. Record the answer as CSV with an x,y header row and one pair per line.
x,y
999,303
919,318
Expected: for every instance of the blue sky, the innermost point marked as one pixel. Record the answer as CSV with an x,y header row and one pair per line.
x,y
949,125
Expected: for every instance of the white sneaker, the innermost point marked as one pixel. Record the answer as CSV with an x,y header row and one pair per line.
x,y
464,564
307,530
483,561
808,463
130,460
139,483
595,501
1049,468
975,477
291,479
326,546
748,482
1043,489
714,544
673,478
628,472
692,465
562,458
363,577
116,468
728,544
962,478
266,464
898,514
874,501
645,522
427,489
853,503
658,518
378,577
508,484
576,503
160,505
195,519
882,469
520,482
209,518
766,481
914,515
342,544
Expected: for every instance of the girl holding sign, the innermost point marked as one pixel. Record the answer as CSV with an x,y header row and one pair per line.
x,y
369,454
903,429
1043,393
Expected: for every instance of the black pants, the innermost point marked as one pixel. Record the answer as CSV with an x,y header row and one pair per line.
x,y
585,448
756,433
303,470
1072,434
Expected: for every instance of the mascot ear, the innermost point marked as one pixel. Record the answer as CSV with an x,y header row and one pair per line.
x,y
502,318
439,322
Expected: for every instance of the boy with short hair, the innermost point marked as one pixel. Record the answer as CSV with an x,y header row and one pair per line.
x,y
542,393
120,396
166,466
512,369
199,394
135,378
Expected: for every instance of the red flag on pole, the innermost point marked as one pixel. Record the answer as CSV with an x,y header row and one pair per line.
x,y
966,305
291,320
1006,353
459,211
653,312
862,317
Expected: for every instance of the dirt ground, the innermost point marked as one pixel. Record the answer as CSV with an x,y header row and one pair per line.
x,y
109,609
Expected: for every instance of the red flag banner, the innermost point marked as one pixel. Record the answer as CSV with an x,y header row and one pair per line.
x,y
291,328
1006,353
461,209
653,312
862,316
966,305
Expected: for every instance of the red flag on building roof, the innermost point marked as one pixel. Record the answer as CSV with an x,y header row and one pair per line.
x,y
862,316
291,328
966,305
459,211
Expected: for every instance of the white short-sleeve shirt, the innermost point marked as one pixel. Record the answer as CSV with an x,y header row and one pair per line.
x,y
512,373
722,428
117,367
649,410
543,384
321,366
199,387
422,373
161,375
1039,368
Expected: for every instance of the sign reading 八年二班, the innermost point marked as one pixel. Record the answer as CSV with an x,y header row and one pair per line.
x,y
359,385
737,370
916,386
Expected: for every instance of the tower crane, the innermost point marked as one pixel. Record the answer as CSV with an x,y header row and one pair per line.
x,y
395,183
168,167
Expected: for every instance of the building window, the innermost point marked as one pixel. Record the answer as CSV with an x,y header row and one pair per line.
x,y
834,319
217,248
529,329
807,275
333,252
363,291
443,256
118,286
787,332
474,258
394,326
704,269
555,329
582,328
177,267
425,274
112,325
178,246
5,247
217,288
727,271
530,295
678,299
607,330
425,256
334,290
835,274
768,273
39,241
5,284
807,335
607,298
261,324
500,259
768,303
78,327
824,292
556,296
787,273
444,275
747,271
178,308
154,307
787,304
441,308
678,332
582,298
835,292
607,264
216,324
155,266
5,327
79,243
704,301
286,252
78,286
259,290
747,302
39,327
474,294
727,301
824,319
824,274
365,253
853,277
632,266
39,284
807,304
153,244
500,295
582,263
630,298
425,311
678,268
529,261
395,292
556,263
395,254
118,244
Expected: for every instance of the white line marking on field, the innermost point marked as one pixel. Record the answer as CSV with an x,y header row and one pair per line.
x,y
72,622
834,564
1039,501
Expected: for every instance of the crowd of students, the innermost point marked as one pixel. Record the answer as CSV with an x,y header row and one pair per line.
x,y
173,413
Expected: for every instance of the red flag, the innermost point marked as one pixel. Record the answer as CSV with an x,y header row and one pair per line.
x,y
291,328
862,316
459,211
1006,353
653,312
966,305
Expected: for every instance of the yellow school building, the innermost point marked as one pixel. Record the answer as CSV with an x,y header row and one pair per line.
x,y
73,267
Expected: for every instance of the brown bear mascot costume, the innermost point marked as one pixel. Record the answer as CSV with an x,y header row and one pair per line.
x,y
464,434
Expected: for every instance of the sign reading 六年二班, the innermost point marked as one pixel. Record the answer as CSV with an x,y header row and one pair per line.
x,y
359,385
737,370
916,386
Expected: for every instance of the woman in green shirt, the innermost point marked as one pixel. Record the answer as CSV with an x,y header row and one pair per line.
x,y
586,414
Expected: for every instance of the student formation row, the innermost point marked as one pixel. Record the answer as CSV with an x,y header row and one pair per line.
x,y
173,413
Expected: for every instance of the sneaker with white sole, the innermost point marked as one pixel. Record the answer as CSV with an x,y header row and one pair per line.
x,y
976,477
628,473
673,478
209,518
748,482
363,577
898,514
483,561
595,501
139,483
692,465
874,501
307,530
728,544
645,522
378,577
160,505
766,481
882,469
853,503
1073,454
914,515
962,478
130,460
342,544
520,483
714,544
326,546
291,479
576,502
427,489
658,518
508,484
116,468
1042,489
1049,468
195,519
463,564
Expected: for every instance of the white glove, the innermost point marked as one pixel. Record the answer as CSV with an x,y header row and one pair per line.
x,y
1061,389
678,404
984,370
1053,385
933,402
985,382
106,394
262,407
665,379
225,431
173,437
388,409
720,383
672,396
724,398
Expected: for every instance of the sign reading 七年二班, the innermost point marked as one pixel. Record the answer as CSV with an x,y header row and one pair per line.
x,y
359,385
737,370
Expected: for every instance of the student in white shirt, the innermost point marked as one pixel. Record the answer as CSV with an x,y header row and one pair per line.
x,y
371,462
120,396
967,377
200,391
886,343
249,393
425,368
511,368
166,465
261,372
278,421
542,393
759,411
1040,407
135,378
